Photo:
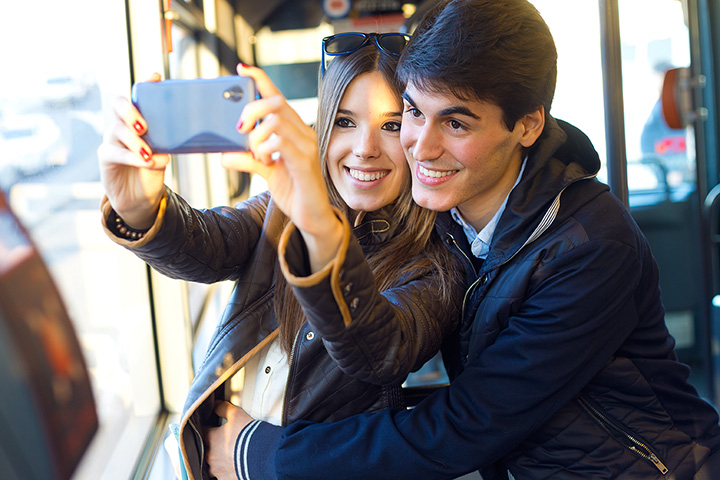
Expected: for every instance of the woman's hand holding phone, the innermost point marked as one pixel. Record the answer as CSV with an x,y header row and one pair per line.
x,y
284,152
132,176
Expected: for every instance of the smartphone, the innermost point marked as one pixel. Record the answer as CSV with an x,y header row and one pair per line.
x,y
194,116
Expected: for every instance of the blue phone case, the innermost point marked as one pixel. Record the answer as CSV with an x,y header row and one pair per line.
x,y
194,116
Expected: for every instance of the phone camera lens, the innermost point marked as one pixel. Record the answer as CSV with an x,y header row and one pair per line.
x,y
234,94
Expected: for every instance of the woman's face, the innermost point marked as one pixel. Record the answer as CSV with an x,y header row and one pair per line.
x,y
365,159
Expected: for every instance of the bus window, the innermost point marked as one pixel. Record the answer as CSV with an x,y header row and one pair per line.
x,y
70,59
579,91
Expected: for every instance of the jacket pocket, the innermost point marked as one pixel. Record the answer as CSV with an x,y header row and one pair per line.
x,y
626,437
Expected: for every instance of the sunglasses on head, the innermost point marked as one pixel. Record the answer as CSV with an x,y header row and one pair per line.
x,y
349,42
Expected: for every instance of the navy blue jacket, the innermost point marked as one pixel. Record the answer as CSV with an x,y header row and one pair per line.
x,y
562,367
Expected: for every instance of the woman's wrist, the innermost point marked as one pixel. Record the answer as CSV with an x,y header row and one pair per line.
x,y
323,246
140,218
122,229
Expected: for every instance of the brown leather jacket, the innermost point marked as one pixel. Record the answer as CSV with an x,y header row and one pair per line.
x,y
357,344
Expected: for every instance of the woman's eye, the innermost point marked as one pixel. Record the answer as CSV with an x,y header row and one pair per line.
x,y
344,122
392,126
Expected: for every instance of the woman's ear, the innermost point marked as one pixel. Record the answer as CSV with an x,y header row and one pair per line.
x,y
532,125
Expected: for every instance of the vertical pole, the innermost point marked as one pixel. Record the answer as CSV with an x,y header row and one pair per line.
x,y
612,90
702,18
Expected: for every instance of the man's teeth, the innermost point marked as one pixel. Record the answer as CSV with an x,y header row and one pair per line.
x,y
435,173
365,176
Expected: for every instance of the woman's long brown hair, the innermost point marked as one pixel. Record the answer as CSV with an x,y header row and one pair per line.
x,y
415,245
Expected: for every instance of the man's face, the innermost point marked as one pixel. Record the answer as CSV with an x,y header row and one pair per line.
x,y
460,153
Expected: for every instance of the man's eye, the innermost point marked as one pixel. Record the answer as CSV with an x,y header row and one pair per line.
x,y
455,125
413,112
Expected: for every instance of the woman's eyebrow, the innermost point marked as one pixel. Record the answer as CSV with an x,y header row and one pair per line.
x,y
350,113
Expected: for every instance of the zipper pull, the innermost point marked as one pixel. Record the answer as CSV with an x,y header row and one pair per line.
x,y
656,461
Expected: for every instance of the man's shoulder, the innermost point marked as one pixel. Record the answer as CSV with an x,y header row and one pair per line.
x,y
599,213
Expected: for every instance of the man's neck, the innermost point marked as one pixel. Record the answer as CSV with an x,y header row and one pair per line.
x,y
478,213
479,210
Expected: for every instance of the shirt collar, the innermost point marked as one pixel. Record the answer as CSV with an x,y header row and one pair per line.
x,y
480,241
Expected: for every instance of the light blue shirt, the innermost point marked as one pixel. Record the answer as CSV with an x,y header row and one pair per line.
x,y
480,241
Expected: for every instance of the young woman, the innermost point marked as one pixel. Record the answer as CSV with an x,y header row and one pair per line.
x,y
343,287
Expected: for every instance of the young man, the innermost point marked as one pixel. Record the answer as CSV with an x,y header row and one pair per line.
x,y
563,366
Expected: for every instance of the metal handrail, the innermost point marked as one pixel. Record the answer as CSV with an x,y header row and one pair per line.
x,y
613,98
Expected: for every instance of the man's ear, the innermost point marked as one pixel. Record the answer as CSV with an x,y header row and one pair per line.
x,y
532,125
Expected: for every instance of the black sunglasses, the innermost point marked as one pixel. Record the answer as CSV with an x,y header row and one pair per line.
x,y
349,42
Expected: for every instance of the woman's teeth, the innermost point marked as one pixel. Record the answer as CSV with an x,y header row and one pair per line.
x,y
365,176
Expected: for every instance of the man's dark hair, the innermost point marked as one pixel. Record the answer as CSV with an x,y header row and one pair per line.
x,y
499,51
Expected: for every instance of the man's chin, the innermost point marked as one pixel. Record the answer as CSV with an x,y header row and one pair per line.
x,y
432,200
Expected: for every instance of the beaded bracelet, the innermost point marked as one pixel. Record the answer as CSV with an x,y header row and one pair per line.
x,y
124,230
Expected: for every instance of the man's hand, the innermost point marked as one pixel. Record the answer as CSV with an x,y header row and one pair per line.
x,y
221,440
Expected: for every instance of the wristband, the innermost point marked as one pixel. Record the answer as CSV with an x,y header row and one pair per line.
x,y
122,228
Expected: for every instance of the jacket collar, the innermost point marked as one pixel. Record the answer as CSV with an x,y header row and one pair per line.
x,y
372,228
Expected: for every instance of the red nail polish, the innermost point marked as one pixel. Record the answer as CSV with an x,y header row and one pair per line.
x,y
145,154
239,125
138,126
244,64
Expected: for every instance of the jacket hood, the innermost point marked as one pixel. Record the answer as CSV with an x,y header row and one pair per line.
x,y
562,156
565,143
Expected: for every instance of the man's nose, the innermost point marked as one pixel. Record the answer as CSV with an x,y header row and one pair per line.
x,y
425,143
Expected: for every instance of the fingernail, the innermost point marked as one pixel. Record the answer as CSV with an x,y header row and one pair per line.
x,y
244,65
138,126
239,125
145,154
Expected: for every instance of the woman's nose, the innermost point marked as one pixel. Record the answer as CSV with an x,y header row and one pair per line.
x,y
367,146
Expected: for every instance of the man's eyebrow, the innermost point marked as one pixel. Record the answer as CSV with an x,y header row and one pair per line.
x,y
456,110
406,96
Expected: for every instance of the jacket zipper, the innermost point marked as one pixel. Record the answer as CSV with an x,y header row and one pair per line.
x,y
631,443
210,350
471,266
230,325
547,220
202,449
290,370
